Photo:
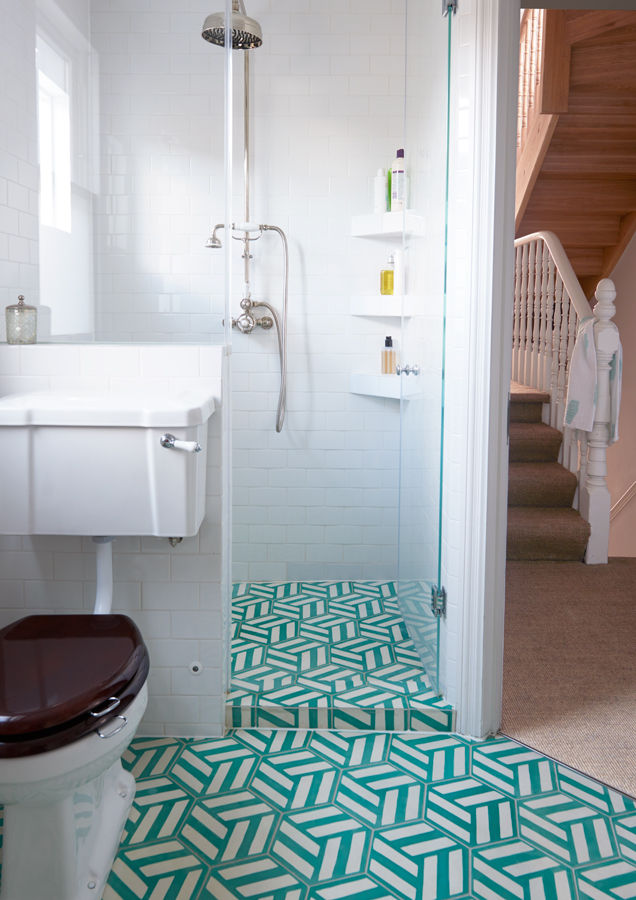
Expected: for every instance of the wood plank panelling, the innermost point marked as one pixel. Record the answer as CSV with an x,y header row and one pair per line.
x,y
584,26
582,185
555,82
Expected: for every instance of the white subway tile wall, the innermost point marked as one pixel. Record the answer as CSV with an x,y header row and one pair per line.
x,y
320,499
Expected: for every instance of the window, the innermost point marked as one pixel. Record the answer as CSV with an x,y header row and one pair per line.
x,y
54,136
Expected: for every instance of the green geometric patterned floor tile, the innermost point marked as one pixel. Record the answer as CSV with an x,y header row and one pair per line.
x,y
331,628
398,677
356,605
231,826
625,829
246,608
332,679
517,871
214,766
374,718
299,655
361,888
381,795
566,829
513,769
363,654
254,879
301,607
295,780
384,627
429,757
416,861
592,793
262,678
157,811
471,812
324,801
246,655
165,870
265,743
611,881
327,655
269,630
430,718
148,757
345,749
313,713
322,844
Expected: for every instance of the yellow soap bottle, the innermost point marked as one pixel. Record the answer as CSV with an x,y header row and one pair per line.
x,y
387,277
388,357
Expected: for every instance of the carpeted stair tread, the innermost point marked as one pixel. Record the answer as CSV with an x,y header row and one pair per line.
x,y
534,442
546,533
526,403
542,484
525,394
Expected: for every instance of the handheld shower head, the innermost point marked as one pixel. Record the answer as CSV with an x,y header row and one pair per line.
x,y
246,32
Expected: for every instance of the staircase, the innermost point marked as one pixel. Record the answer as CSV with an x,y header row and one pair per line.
x,y
541,521
576,160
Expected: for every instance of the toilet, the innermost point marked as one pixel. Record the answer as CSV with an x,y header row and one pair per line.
x,y
72,695
73,687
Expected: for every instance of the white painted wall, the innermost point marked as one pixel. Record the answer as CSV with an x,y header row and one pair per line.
x,y
621,457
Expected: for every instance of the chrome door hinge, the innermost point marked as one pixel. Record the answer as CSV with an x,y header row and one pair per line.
x,y
449,6
438,601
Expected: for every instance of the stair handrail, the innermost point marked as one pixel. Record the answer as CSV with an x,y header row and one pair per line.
x,y
549,304
549,308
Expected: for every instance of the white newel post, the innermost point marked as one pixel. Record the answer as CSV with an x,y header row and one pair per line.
x,y
595,497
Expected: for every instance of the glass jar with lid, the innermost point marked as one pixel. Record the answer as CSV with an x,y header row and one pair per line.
x,y
21,320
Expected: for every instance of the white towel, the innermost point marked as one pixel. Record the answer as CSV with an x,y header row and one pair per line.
x,y
581,400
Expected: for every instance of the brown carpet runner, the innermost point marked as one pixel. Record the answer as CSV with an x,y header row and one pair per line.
x,y
541,521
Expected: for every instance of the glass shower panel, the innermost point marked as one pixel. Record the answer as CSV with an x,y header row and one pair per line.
x,y
428,34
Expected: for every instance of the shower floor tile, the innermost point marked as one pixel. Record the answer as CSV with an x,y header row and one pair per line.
x,y
302,815
327,655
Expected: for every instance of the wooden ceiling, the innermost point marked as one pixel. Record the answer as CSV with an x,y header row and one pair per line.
x,y
576,173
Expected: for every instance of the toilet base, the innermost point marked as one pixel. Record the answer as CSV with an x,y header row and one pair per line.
x,y
64,850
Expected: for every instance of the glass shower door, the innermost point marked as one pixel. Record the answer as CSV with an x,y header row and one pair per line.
x,y
422,355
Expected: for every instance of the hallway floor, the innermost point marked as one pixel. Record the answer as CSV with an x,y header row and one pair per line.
x,y
327,655
306,815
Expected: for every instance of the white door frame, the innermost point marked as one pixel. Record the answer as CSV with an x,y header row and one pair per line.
x,y
495,37
480,619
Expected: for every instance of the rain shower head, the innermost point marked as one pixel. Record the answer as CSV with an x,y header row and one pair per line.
x,y
246,32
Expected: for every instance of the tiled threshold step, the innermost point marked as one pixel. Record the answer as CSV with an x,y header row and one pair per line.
x,y
301,815
327,655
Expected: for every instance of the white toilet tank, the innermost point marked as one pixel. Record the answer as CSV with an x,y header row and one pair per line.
x,y
103,463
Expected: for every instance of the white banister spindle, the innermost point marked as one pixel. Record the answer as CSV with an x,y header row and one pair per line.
x,y
595,497
549,304
556,343
516,323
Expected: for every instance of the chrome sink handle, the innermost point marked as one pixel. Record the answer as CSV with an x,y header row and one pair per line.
x,y
170,442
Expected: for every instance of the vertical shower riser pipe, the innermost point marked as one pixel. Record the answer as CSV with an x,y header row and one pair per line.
x,y
246,164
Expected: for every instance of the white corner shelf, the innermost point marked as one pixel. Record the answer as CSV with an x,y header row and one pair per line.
x,y
385,305
389,224
384,386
